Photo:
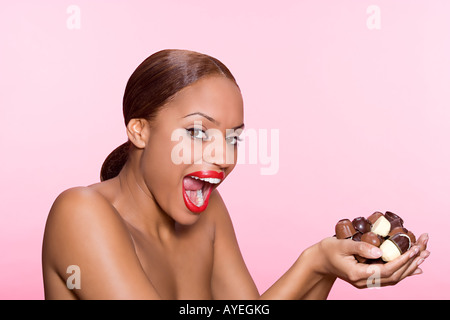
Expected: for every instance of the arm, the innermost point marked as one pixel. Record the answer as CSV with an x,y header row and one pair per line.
x,y
231,279
83,229
312,275
323,262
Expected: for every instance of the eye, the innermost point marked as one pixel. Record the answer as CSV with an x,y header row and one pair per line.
x,y
233,140
197,133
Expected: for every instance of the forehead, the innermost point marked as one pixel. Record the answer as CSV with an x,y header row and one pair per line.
x,y
216,96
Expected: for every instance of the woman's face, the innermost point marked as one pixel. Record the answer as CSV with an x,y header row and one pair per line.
x,y
192,146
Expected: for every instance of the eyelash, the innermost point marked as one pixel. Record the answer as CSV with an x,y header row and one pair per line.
x,y
192,133
236,141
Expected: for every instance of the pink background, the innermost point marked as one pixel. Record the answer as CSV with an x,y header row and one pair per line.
x,y
363,117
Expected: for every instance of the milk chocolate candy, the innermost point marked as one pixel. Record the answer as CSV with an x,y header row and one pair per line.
x,y
372,238
411,236
344,229
374,217
382,226
361,224
357,236
395,246
394,219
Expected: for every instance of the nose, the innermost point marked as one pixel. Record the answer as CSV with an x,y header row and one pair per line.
x,y
220,153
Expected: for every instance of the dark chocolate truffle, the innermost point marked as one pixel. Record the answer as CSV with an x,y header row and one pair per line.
x,y
394,219
361,224
397,230
402,241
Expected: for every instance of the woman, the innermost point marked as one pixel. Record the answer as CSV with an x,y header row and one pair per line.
x,y
157,228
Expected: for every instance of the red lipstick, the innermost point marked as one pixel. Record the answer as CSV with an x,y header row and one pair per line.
x,y
197,187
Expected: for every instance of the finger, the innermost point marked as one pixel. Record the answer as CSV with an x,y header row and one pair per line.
x,y
394,271
421,258
418,261
407,269
400,263
365,250
423,241
417,258
417,271
413,266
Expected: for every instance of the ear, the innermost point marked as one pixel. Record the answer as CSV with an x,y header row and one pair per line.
x,y
138,131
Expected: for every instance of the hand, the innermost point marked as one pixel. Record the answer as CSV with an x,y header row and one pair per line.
x,y
338,259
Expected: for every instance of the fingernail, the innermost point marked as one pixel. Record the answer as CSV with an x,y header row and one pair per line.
x,y
419,262
375,252
414,252
417,271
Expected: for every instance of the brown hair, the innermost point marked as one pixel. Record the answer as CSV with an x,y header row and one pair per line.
x,y
154,82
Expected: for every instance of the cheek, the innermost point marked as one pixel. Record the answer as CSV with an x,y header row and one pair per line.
x,y
186,151
160,173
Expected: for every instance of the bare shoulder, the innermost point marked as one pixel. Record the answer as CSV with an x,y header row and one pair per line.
x,y
218,213
78,215
79,211
221,220
81,203
85,230
217,205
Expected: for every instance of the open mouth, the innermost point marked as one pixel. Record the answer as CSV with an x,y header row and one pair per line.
x,y
197,187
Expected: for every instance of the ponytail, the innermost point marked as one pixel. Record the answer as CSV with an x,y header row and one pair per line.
x,y
114,163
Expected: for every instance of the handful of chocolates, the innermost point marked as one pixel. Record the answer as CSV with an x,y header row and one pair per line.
x,y
385,231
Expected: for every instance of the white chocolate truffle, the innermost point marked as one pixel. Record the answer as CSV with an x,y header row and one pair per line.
x,y
389,251
381,227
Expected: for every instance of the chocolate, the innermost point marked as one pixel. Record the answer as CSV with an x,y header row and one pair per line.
x,y
357,236
402,241
389,251
382,226
375,261
395,246
394,219
344,229
411,236
397,230
374,217
385,231
361,224
372,238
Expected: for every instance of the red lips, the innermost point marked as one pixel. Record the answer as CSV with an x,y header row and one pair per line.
x,y
208,174
206,181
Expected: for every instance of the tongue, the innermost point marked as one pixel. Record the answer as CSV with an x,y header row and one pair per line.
x,y
192,184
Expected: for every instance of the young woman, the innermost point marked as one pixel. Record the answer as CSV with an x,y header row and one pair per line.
x,y
156,226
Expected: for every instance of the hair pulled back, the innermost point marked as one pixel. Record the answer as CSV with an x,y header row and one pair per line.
x,y
154,82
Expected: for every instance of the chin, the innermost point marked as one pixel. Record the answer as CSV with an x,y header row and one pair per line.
x,y
185,217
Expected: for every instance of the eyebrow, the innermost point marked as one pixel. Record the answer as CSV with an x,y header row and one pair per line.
x,y
203,115
211,119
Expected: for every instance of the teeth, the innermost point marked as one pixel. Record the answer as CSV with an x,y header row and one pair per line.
x,y
210,180
199,198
